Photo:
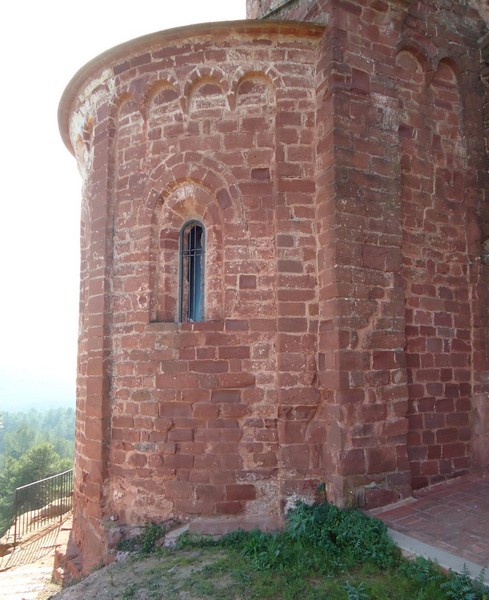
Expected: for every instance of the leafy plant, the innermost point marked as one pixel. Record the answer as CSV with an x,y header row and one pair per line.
x,y
358,536
320,539
355,593
151,534
461,587
421,570
129,592
147,542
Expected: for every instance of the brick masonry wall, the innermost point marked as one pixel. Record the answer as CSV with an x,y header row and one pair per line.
x,y
217,417
410,182
339,171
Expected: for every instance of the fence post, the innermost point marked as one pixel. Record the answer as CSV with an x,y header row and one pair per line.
x,y
15,520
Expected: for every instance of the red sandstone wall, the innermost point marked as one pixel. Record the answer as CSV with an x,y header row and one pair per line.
x,y
200,411
339,175
361,339
407,198
436,270
218,417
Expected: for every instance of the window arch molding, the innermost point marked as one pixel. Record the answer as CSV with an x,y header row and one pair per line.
x,y
186,202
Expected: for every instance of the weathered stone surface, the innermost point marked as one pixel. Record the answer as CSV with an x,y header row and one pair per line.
x,y
339,170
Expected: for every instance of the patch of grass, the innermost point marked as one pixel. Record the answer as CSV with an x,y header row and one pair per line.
x,y
324,553
129,592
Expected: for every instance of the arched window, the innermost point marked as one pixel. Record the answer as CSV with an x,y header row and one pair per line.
x,y
192,246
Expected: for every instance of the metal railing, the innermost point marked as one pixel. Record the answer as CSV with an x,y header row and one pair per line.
x,y
42,502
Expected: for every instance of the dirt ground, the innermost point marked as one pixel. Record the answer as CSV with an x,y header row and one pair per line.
x,y
29,582
141,579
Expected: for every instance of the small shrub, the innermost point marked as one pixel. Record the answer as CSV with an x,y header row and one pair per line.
x,y
356,535
129,592
151,534
461,587
145,543
421,570
355,593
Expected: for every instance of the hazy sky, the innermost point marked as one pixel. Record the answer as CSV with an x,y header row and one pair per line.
x,y
42,45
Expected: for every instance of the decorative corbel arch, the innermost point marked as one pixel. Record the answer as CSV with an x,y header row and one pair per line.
x,y
198,79
417,53
121,102
167,87
267,75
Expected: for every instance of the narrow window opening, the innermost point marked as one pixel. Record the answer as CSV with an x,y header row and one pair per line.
x,y
191,272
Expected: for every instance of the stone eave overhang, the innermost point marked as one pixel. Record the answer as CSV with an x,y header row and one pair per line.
x,y
109,60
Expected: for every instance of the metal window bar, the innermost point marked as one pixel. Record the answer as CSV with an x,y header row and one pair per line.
x,y
192,272
42,502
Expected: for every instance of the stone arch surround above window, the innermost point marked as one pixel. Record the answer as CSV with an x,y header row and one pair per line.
x,y
188,200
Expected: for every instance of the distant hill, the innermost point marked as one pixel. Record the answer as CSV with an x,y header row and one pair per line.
x,y
23,393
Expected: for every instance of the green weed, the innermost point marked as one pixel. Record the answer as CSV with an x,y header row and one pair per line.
x,y
461,587
129,592
147,542
355,593
323,553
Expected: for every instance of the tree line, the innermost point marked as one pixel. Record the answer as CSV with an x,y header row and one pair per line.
x,y
33,445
